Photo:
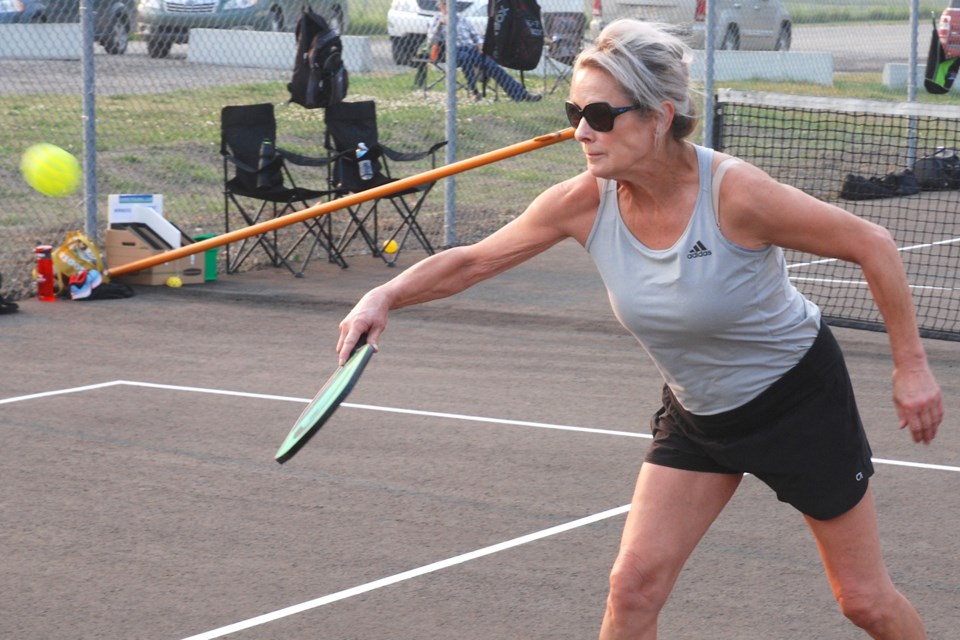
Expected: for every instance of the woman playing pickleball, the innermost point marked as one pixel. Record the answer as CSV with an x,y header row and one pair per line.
x,y
689,243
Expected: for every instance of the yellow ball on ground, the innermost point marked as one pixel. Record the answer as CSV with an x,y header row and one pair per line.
x,y
174,282
390,246
50,170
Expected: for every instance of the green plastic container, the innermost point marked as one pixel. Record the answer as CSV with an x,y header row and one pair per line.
x,y
210,257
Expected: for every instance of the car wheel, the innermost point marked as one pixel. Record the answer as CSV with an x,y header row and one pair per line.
x,y
405,47
276,20
115,42
159,47
784,39
731,39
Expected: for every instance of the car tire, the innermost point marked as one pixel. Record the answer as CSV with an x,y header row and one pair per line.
x,y
118,36
159,47
404,48
731,39
784,38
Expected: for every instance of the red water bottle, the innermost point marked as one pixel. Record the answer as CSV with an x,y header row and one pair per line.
x,y
45,288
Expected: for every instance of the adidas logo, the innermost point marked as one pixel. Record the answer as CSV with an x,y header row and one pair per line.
x,y
699,251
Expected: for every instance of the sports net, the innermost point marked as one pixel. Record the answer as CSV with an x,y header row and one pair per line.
x,y
892,163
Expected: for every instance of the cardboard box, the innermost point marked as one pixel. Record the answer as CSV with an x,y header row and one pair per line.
x,y
120,205
134,241
137,214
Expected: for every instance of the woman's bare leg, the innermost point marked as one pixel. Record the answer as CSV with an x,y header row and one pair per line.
x,y
670,512
850,548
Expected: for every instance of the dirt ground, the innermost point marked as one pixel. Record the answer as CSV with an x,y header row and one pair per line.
x,y
473,487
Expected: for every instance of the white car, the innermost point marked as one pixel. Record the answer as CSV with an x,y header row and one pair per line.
x,y
407,22
741,24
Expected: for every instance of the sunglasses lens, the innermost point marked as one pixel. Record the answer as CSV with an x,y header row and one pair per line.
x,y
599,116
573,114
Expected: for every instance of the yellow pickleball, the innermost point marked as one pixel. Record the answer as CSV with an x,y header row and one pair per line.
x,y
390,246
51,170
174,282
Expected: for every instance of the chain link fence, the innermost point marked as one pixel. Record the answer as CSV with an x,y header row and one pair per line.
x,y
162,71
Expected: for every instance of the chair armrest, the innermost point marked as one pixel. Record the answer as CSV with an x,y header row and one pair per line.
x,y
302,160
240,164
275,163
336,155
401,156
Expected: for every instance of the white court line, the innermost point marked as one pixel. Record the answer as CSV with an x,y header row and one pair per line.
x,y
370,407
407,575
629,434
517,423
415,412
863,283
218,392
916,465
151,385
856,283
925,245
59,392
436,566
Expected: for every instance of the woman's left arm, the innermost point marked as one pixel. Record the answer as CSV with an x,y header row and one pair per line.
x,y
757,210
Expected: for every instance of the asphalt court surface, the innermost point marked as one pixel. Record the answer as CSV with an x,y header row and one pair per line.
x,y
473,487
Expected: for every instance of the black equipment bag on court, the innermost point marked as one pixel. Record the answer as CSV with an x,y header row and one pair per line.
x,y
937,171
899,183
514,36
319,76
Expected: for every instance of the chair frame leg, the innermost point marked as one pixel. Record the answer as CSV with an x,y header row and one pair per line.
x,y
270,244
408,226
322,231
248,245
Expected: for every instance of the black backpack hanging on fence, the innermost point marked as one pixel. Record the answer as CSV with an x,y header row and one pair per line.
x,y
514,36
319,77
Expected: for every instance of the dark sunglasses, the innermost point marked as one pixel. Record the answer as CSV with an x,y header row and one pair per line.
x,y
599,115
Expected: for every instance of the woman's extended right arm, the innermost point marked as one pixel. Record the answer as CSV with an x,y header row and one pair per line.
x,y
561,211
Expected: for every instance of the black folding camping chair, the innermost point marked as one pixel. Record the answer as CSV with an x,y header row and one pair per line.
x,y
258,185
359,161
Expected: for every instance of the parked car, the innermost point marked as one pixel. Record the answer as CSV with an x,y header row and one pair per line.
x,y
741,24
163,23
113,19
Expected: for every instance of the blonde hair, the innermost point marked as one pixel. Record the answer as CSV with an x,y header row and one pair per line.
x,y
650,64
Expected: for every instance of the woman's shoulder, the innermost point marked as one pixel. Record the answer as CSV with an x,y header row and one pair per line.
x,y
579,195
745,169
571,205
583,187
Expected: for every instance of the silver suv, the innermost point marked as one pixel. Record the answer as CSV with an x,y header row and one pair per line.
x,y
112,21
741,24
163,23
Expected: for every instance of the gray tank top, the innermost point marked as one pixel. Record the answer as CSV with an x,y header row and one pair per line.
x,y
721,323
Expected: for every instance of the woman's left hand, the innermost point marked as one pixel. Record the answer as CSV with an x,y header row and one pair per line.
x,y
919,402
